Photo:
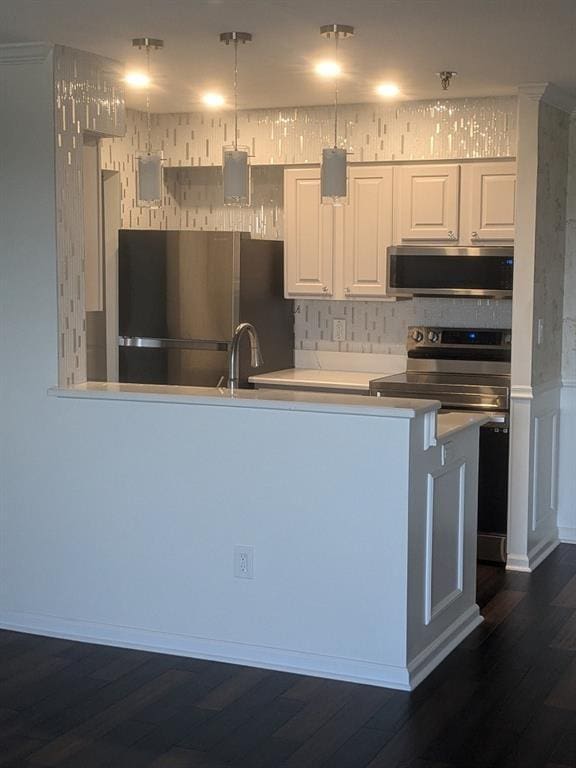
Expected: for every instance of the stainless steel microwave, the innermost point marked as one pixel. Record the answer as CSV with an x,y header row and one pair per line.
x,y
451,271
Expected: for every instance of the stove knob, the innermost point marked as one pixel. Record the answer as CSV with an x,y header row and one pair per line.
x,y
417,335
433,336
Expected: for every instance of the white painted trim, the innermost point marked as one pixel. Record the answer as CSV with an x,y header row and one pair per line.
x,y
567,535
550,94
24,53
526,392
534,91
428,659
432,611
521,392
282,660
537,555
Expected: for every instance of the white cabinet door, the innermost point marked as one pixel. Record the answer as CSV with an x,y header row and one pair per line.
x,y
427,203
368,230
489,199
308,235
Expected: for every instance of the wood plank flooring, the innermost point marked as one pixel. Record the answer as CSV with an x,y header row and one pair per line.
x,y
506,698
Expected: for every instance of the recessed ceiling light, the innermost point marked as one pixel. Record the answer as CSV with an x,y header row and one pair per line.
x,y
328,69
388,90
137,80
213,100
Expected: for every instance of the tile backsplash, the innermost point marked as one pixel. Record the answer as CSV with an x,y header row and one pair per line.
x,y
192,146
448,129
88,97
380,327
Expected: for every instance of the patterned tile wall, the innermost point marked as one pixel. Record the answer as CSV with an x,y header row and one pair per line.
x,y
192,143
431,130
549,265
424,130
88,97
380,327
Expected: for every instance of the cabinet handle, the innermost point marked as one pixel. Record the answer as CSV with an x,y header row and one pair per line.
x,y
346,290
474,236
452,235
324,289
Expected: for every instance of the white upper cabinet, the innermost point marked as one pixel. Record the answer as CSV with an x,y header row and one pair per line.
x,y
488,203
308,235
340,252
367,230
427,203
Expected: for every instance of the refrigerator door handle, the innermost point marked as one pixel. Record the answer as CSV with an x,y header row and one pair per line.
x,y
147,342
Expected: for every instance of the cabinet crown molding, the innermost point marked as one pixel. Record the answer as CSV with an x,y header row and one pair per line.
x,y
550,94
24,53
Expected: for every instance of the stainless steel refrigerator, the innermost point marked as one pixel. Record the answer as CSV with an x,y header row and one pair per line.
x,y
182,294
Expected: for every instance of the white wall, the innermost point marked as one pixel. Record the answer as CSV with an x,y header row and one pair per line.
x,y
543,152
118,514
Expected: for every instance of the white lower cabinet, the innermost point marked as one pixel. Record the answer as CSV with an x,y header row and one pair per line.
x,y
337,251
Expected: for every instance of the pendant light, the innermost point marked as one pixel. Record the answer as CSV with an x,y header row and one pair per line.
x,y
333,181
149,163
235,167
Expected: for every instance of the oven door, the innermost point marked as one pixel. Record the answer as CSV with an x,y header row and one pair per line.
x,y
420,271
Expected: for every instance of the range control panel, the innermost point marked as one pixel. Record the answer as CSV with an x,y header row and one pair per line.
x,y
423,336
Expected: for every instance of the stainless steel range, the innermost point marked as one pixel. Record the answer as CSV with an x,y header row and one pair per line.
x,y
467,369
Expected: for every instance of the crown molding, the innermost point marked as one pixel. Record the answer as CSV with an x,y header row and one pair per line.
x,y
24,53
550,94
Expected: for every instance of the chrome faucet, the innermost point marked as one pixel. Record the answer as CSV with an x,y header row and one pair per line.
x,y
234,359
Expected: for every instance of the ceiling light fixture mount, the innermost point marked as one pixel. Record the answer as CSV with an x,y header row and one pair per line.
x,y
149,175
147,42
339,31
235,167
446,78
333,173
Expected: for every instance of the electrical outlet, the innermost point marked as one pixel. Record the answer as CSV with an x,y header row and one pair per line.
x,y
338,329
244,562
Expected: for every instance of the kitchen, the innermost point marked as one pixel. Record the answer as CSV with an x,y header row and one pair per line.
x,y
437,178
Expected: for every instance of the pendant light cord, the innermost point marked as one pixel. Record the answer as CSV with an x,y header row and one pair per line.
x,y
148,118
235,94
336,38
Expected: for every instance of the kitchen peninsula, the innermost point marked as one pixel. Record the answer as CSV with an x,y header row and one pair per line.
x,y
327,534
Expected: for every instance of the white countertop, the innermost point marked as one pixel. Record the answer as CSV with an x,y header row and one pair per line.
x,y
316,377
449,423
272,399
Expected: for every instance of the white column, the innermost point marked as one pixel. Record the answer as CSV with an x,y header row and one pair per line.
x,y
535,400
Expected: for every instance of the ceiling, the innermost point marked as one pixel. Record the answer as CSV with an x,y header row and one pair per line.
x,y
494,45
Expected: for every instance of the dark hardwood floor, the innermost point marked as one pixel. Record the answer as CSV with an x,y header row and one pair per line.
x,y
505,698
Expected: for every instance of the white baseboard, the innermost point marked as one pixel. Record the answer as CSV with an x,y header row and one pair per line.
x,y
567,535
315,665
536,556
426,661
